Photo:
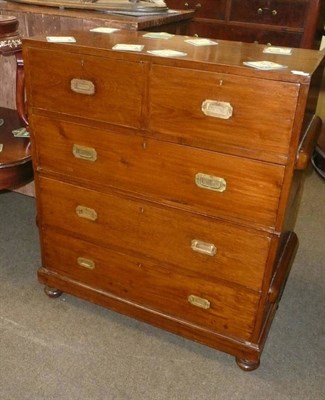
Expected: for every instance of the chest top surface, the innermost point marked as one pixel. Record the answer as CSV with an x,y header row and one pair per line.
x,y
225,56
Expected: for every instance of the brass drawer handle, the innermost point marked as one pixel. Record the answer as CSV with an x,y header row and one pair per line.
x,y
198,301
84,153
260,11
87,213
86,263
82,86
208,249
217,109
210,182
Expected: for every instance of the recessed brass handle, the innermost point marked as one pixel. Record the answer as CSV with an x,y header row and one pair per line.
x,y
274,13
217,109
208,249
82,86
86,212
260,11
86,263
210,182
84,153
198,6
198,301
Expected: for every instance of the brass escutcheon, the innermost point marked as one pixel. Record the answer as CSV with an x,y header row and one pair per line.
x,y
210,182
198,301
86,263
217,109
199,246
86,212
84,153
82,86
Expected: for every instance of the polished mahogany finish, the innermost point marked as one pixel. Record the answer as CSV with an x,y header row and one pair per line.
x,y
167,187
42,20
15,158
278,22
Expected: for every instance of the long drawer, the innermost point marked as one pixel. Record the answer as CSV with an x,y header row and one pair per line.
x,y
223,112
207,304
197,245
201,181
89,87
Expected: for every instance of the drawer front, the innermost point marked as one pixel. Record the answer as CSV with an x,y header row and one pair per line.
x,y
290,13
247,117
244,34
204,8
194,179
194,244
209,9
212,305
86,86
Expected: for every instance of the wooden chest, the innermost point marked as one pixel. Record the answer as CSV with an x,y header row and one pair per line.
x,y
167,186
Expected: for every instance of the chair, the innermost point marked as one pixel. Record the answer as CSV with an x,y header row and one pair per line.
x,y
15,156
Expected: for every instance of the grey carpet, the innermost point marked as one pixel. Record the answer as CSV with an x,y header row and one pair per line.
x,y
69,349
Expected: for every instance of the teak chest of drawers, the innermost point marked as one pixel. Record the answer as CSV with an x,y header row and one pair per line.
x,y
167,187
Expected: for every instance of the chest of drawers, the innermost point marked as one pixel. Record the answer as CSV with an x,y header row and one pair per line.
x,y
279,22
167,187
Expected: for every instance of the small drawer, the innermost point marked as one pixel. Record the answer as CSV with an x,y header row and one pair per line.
x,y
223,112
197,180
86,86
204,8
212,305
289,13
192,243
245,33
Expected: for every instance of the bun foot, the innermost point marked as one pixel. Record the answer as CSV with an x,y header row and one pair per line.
x,y
52,292
247,365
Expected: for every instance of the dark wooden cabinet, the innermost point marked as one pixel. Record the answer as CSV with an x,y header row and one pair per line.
x,y
278,22
167,187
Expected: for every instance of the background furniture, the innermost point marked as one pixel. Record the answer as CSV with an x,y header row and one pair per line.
x,y
318,158
167,188
279,22
15,159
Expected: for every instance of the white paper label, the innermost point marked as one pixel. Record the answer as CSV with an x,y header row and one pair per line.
x,y
264,65
60,39
128,47
167,53
201,42
278,50
104,29
158,35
